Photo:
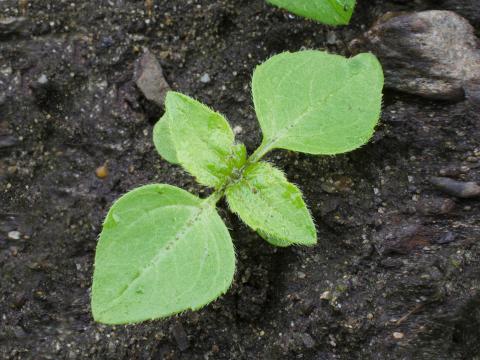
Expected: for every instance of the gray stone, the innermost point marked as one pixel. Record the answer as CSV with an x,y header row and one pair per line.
x,y
456,188
446,238
331,38
431,53
205,78
42,80
148,76
14,235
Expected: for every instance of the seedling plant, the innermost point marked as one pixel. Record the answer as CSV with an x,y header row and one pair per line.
x,y
163,250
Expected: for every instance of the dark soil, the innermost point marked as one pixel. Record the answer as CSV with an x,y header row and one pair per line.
x,y
396,273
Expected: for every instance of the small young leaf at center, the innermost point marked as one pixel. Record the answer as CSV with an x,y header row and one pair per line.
x,y
268,203
197,138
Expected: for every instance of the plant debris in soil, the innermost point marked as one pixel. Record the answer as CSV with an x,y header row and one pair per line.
x,y
395,274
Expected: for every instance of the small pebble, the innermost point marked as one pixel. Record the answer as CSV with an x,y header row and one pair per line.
x,y
331,38
205,78
106,42
42,80
149,6
102,172
14,250
23,5
446,238
12,169
326,295
401,238
14,235
398,335
237,129
19,300
149,78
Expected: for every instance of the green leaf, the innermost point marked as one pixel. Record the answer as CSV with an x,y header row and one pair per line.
x,y
200,139
330,12
317,103
163,141
161,251
268,203
273,240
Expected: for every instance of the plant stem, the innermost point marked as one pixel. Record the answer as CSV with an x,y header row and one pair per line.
x,y
215,197
259,153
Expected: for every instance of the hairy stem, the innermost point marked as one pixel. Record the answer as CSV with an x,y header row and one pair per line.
x,y
215,197
259,153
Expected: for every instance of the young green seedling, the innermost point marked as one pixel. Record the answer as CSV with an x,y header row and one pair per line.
x,y
163,250
330,12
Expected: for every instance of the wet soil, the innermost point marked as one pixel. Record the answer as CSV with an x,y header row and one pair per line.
x,y
396,273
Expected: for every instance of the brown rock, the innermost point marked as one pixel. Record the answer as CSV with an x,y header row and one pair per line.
x,y
431,53
148,76
401,239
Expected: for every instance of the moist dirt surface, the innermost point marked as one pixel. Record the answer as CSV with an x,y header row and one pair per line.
x,y
396,272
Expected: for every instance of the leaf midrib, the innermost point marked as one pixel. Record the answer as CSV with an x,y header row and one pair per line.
x,y
266,200
284,131
179,236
